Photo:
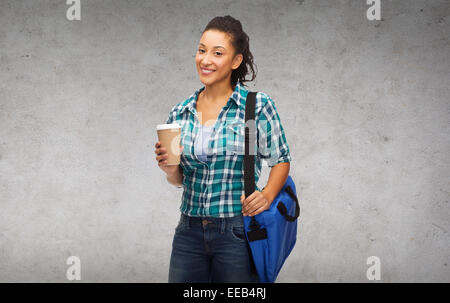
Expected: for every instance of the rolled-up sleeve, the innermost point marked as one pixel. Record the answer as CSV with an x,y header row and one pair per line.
x,y
272,143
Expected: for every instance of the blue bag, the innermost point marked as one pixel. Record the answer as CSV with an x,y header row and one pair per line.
x,y
271,235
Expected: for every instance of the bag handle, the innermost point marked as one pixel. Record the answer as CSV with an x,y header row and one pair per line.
x,y
283,210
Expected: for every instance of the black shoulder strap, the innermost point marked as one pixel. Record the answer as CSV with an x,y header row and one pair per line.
x,y
250,137
255,232
250,153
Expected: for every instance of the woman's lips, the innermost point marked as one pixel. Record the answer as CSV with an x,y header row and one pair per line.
x,y
206,71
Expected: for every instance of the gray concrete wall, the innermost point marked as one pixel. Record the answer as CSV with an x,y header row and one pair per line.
x,y
365,105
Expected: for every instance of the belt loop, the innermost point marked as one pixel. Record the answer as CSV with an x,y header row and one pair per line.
x,y
222,226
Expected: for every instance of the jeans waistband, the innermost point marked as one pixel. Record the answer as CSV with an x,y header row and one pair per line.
x,y
212,222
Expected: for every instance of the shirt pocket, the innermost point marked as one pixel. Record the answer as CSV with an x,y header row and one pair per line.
x,y
234,138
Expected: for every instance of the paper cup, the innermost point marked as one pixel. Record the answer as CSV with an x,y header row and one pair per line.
x,y
170,137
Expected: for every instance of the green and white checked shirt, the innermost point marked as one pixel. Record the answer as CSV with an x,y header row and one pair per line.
x,y
214,187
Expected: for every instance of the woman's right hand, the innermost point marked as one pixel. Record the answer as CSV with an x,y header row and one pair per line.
x,y
161,157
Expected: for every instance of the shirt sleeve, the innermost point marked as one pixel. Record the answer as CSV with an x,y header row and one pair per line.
x,y
272,143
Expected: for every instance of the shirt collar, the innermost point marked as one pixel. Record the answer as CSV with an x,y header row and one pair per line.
x,y
239,96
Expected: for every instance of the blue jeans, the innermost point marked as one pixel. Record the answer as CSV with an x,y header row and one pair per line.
x,y
210,249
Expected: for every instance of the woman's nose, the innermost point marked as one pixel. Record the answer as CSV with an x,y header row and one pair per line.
x,y
206,59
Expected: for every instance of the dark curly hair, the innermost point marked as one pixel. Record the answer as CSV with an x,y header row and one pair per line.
x,y
240,42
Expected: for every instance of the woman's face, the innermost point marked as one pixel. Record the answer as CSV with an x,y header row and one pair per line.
x,y
215,58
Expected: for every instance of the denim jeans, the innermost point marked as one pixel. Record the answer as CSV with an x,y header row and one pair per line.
x,y
210,249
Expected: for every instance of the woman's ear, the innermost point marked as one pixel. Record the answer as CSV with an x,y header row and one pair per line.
x,y
237,60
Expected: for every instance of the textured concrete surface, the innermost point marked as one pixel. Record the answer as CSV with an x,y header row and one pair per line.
x,y
365,105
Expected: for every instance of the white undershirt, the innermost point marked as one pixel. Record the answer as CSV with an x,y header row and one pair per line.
x,y
201,145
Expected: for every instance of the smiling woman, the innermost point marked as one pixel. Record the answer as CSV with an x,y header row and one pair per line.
x,y
209,244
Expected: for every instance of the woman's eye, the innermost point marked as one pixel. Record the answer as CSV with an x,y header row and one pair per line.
x,y
202,51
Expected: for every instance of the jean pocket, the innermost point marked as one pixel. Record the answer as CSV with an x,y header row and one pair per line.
x,y
238,233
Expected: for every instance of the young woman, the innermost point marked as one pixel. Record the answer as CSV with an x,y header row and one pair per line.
x,y
209,244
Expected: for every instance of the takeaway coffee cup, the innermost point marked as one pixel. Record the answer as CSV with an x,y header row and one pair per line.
x,y
169,135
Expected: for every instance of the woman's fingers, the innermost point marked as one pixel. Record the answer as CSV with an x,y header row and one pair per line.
x,y
162,162
160,150
251,206
256,211
162,157
161,153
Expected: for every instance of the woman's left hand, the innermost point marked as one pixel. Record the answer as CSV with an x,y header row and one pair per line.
x,y
254,204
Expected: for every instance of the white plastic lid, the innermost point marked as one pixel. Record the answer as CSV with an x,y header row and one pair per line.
x,y
167,126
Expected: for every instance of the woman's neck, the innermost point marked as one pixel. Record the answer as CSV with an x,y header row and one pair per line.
x,y
217,93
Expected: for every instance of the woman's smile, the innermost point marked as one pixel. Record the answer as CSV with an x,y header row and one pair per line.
x,y
206,72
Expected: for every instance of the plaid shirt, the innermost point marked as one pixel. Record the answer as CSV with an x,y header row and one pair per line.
x,y
214,187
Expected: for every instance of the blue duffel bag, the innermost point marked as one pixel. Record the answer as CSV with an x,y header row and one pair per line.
x,y
271,235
